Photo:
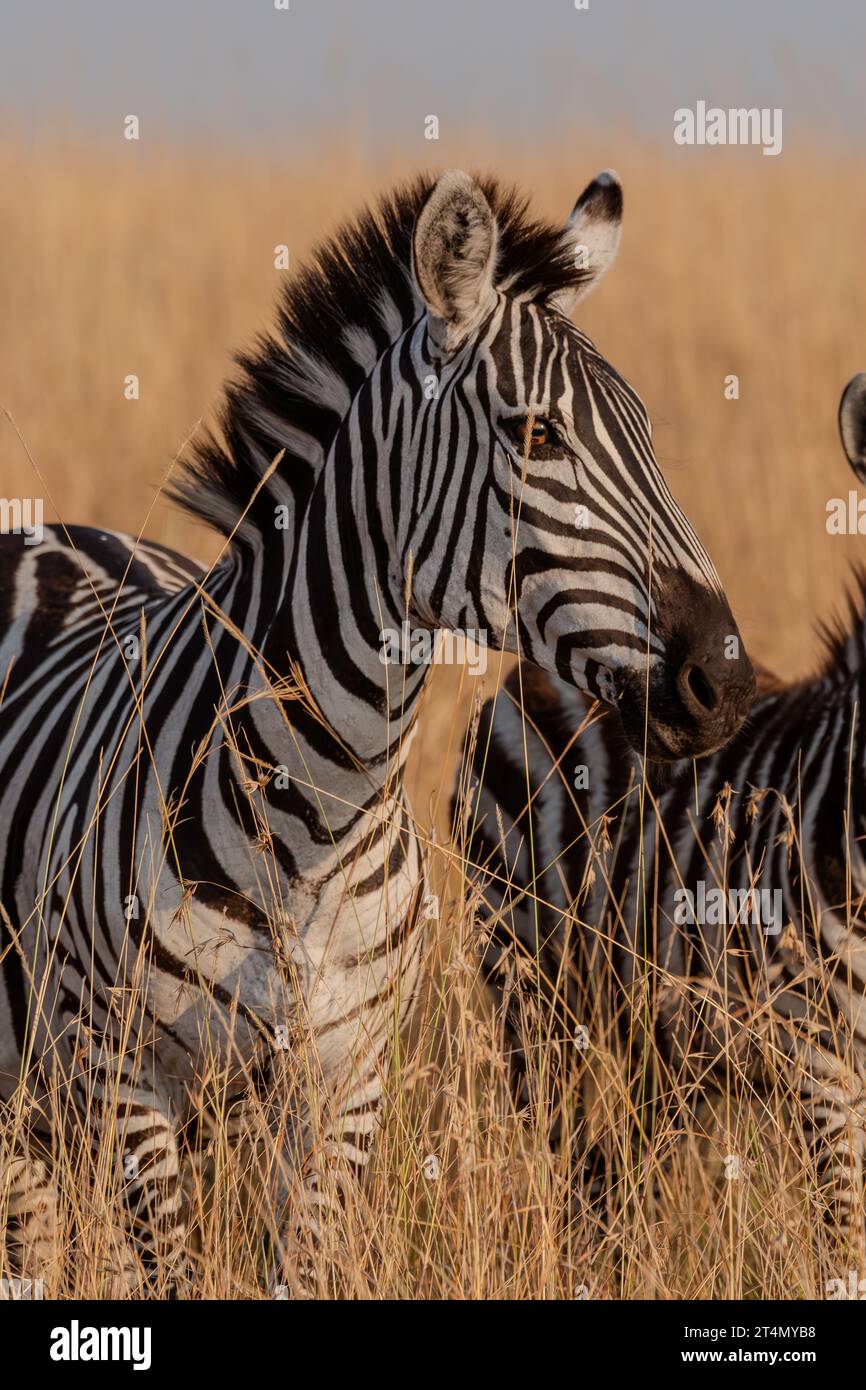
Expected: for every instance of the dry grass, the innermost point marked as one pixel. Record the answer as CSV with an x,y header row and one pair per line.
x,y
160,265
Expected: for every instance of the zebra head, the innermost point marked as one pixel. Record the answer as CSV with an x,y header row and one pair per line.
x,y
544,520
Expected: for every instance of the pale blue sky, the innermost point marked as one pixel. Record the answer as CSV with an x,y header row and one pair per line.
x,y
207,70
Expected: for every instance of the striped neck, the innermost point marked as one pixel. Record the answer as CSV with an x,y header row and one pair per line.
x,y
341,581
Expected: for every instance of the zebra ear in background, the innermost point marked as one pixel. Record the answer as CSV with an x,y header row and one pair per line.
x,y
591,236
454,257
852,424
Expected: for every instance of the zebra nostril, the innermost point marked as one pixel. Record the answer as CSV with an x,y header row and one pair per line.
x,y
696,689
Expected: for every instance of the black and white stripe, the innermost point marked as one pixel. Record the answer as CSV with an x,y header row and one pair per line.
x,y
213,822
584,852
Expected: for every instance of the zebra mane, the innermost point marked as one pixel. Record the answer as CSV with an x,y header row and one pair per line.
x,y
844,638
335,318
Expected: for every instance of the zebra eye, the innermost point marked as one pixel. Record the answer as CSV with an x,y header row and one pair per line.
x,y
541,435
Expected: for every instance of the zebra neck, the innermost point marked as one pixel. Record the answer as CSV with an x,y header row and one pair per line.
x,y
343,590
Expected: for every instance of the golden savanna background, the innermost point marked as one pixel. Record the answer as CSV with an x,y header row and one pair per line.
x,y
131,259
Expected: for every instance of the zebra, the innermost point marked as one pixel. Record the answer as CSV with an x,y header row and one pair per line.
x,y
717,905
201,771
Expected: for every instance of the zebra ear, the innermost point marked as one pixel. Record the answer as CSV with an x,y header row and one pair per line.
x,y
852,424
454,257
591,236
